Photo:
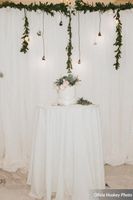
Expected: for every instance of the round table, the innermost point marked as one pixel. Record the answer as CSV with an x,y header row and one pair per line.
x,y
67,157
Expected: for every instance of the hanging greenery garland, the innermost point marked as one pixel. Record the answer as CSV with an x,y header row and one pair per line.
x,y
118,42
80,5
49,8
69,46
25,36
83,6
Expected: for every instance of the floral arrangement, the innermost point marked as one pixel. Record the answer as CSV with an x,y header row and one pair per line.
x,y
65,81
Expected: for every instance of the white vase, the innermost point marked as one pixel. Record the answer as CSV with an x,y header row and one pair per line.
x,y
67,96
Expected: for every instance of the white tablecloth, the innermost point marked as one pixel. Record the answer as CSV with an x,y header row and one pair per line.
x,y
67,157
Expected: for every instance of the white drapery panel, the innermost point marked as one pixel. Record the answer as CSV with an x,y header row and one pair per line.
x,y
28,81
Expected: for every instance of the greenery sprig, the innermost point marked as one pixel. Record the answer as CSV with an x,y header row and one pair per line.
x,y
25,36
118,42
83,101
69,45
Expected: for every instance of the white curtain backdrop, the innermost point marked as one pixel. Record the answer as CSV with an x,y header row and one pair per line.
x,y
28,81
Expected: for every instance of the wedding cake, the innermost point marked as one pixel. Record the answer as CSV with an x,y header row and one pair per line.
x,y
66,89
67,96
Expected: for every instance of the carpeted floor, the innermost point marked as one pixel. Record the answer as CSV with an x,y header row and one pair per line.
x,y
13,185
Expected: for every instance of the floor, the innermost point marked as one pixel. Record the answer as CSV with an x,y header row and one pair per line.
x,y
13,185
120,177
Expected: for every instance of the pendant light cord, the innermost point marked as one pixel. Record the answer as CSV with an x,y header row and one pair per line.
x,y
43,38
79,47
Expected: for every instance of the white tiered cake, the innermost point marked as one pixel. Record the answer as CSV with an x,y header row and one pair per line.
x,y
67,96
66,88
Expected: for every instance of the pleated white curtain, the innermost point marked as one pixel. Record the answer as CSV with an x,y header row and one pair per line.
x,y
28,81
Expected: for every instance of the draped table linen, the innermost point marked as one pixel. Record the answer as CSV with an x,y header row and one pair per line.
x,y
67,157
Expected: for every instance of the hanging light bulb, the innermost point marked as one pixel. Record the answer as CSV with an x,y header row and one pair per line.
x,y
79,61
39,33
43,58
99,33
27,39
61,23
